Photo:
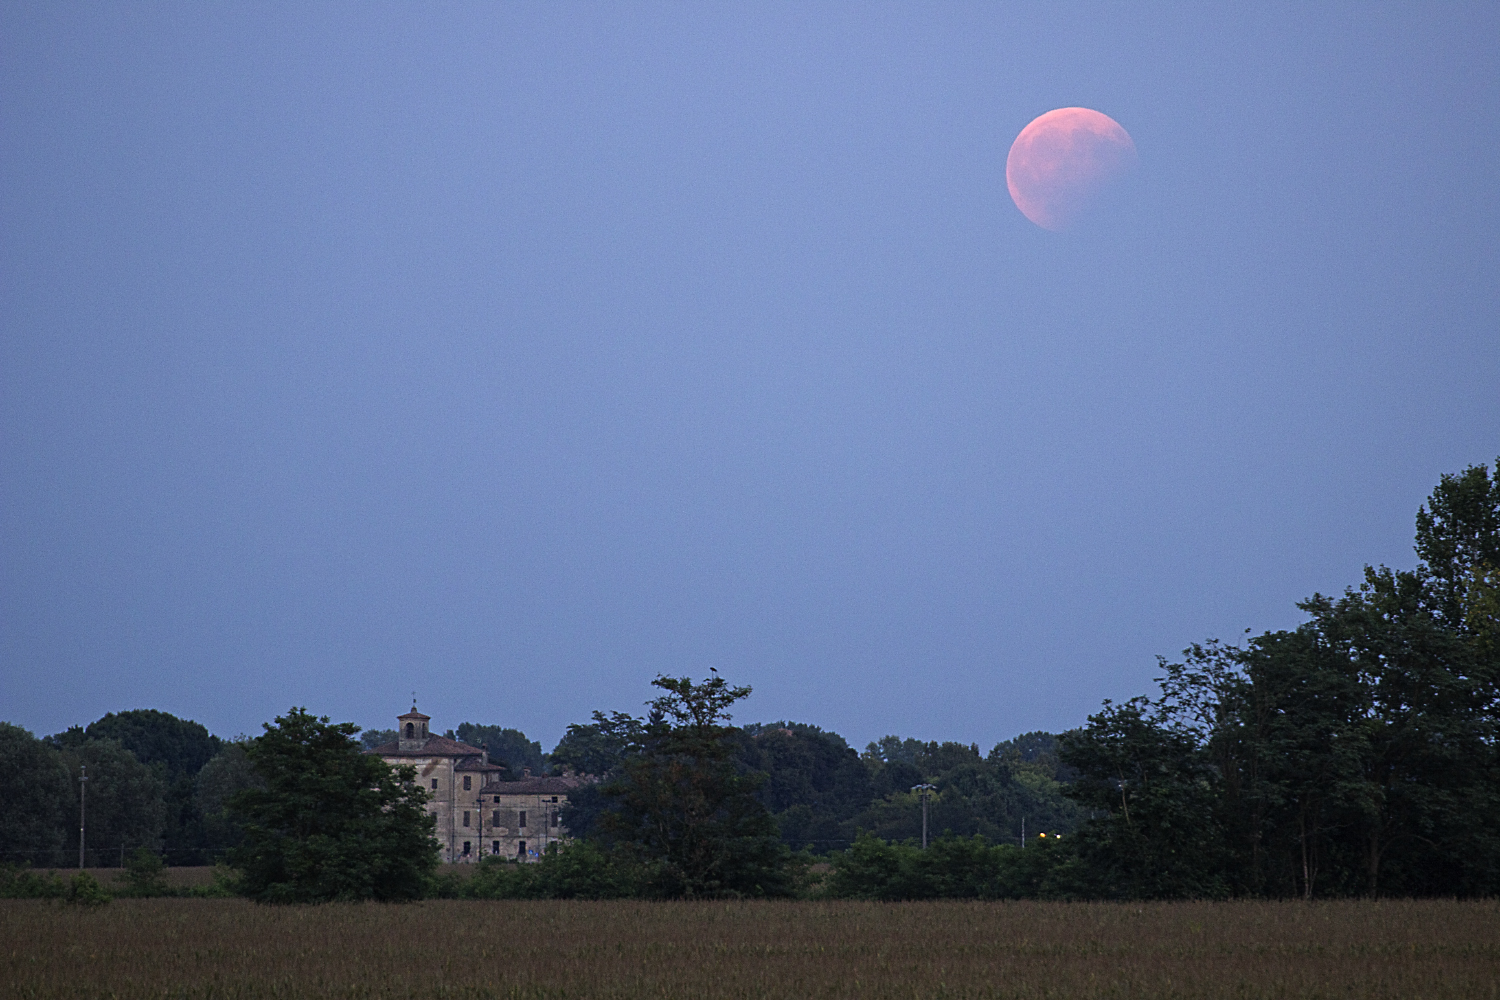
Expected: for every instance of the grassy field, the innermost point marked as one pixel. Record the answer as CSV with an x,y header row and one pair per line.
x,y
229,948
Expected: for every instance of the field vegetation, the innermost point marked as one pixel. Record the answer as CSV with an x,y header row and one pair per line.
x,y
751,949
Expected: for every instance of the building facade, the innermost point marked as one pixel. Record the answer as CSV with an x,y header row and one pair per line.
x,y
478,812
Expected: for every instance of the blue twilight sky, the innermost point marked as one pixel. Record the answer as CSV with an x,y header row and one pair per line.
x,y
515,353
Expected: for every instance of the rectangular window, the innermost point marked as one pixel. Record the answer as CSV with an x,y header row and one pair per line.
x,y
521,849
495,819
494,847
466,817
522,822
466,848
466,782
555,819
434,784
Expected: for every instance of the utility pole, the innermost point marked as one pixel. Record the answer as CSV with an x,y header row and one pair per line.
x,y
83,777
924,789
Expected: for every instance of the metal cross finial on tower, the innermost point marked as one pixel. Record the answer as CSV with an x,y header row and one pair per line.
x,y
414,701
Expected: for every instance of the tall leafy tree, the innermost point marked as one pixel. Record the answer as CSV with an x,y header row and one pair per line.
x,y
330,822
599,747
1018,784
815,782
1354,754
180,746
372,738
175,749
682,801
1458,538
126,805
228,773
509,747
1160,834
34,786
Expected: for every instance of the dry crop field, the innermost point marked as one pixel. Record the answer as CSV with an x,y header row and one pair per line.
x,y
230,948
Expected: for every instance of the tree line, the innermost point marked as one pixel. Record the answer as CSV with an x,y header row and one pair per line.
x,y
154,781
1358,754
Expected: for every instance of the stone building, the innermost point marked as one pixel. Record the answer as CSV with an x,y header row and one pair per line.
x,y
478,812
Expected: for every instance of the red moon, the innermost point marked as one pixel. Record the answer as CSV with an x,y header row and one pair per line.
x,y
1063,161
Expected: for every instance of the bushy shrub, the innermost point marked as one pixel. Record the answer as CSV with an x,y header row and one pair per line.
x,y
143,874
85,890
20,882
580,870
225,885
950,868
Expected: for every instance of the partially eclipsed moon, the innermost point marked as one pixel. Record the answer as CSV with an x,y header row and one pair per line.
x,y
1063,161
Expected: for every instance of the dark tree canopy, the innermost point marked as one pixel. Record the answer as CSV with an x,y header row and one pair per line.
x,y
509,747
599,747
372,738
1356,754
329,822
1458,536
994,796
34,788
175,750
682,801
814,784
227,774
180,746
126,804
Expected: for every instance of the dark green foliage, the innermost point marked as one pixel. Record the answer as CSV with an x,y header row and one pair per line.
x,y
20,882
330,822
372,738
1159,837
815,782
683,804
143,874
989,796
175,749
34,790
84,890
583,810
950,868
229,772
509,747
126,800
1458,535
1356,754
599,747
180,746
580,870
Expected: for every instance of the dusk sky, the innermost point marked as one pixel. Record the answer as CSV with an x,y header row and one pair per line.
x,y
513,354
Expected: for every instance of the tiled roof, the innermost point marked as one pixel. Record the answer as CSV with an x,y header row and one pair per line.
x,y
534,786
476,764
433,746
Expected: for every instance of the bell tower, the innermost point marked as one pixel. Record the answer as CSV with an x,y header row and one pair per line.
x,y
411,729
